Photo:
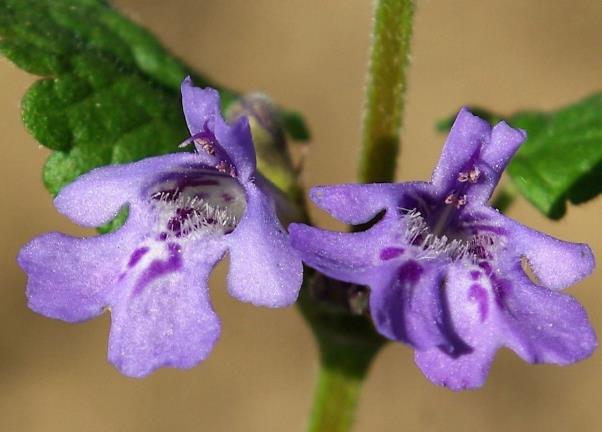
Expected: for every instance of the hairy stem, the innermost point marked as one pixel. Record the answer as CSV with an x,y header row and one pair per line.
x,y
385,91
342,371
347,343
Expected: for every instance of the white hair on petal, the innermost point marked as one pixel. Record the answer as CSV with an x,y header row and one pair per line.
x,y
201,217
430,246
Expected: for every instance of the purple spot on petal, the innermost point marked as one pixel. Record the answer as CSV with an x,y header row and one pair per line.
x,y
390,253
158,268
137,256
163,236
227,197
479,294
175,224
409,273
486,267
200,182
479,229
475,274
501,288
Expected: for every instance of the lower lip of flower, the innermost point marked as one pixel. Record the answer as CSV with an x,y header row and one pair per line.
x,y
197,203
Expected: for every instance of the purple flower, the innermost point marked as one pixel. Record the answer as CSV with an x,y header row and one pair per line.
x,y
186,211
448,274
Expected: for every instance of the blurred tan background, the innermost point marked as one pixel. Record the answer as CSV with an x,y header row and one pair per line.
x,y
309,55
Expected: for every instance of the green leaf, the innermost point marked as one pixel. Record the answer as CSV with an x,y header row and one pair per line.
x,y
562,158
110,92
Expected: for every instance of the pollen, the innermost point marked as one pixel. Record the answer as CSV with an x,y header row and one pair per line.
x,y
471,177
456,200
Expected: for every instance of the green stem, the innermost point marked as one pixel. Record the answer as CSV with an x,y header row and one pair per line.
x,y
342,371
347,344
385,91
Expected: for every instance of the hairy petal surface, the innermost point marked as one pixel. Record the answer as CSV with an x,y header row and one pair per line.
x,y
96,197
349,257
476,319
72,278
264,270
406,305
556,263
163,315
549,327
461,150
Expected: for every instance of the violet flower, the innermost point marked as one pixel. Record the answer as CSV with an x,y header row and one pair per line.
x,y
448,274
186,210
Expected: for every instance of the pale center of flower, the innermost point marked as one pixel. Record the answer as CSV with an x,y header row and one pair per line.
x,y
431,242
197,203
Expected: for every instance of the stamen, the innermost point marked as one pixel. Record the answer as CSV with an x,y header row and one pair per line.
x,y
472,176
456,200
206,145
431,246
186,216
226,168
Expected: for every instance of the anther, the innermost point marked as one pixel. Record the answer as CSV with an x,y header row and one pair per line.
x,y
226,167
456,200
205,145
472,176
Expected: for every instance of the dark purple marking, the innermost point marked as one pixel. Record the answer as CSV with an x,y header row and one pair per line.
x,y
175,223
475,274
227,197
409,273
501,288
390,252
478,294
166,195
163,236
477,229
182,180
137,256
486,268
200,182
158,268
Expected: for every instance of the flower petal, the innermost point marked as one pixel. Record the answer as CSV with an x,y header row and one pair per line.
x,y
72,278
405,304
475,318
461,150
96,197
359,203
264,270
200,105
556,263
546,326
163,316
493,158
201,109
349,257
504,142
